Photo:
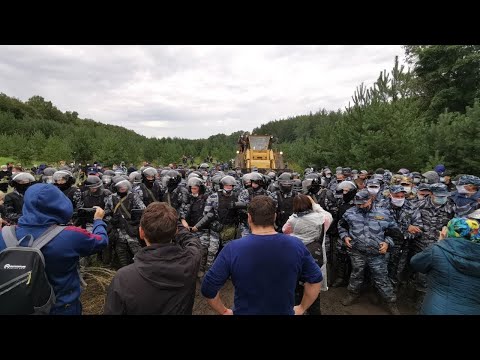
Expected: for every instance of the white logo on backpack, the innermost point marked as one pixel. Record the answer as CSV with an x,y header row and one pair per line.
x,y
14,267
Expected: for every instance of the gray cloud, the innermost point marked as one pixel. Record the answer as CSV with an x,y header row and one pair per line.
x,y
192,91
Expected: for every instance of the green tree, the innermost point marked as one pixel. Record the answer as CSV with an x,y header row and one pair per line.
x,y
447,76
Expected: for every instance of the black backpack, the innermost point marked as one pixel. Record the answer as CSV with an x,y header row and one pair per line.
x,y
24,286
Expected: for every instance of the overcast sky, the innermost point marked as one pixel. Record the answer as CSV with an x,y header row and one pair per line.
x,y
192,91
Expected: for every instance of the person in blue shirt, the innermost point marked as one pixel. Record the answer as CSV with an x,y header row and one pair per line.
x,y
45,205
265,267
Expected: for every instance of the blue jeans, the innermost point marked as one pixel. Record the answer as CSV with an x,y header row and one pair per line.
x,y
74,308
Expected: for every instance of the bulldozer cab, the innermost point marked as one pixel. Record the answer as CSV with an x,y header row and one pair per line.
x,y
257,153
259,143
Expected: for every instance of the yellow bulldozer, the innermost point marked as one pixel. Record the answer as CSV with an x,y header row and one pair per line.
x,y
255,151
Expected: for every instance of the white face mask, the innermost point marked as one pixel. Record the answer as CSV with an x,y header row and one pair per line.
x,y
408,189
374,190
442,179
416,180
398,202
195,195
461,189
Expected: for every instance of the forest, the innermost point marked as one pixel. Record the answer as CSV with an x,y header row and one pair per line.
x,y
415,118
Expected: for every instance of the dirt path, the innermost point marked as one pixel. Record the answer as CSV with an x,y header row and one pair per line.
x,y
94,295
330,303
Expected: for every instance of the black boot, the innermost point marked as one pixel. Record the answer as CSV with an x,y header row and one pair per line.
x,y
350,299
392,308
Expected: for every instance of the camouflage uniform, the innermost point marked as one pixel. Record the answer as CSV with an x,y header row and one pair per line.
x,y
405,216
191,211
149,195
220,205
465,205
13,205
284,202
175,198
326,199
75,196
367,229
434,218
124,226
245,196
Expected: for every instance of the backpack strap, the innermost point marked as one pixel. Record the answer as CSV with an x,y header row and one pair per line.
x,y
9,236
47,236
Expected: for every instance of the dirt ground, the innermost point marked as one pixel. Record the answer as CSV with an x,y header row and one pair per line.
x,y
330,303
93,299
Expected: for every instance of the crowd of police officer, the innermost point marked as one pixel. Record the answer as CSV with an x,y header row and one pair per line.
x,y
381,219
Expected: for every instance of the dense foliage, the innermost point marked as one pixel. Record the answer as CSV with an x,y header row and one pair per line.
x,y
413,119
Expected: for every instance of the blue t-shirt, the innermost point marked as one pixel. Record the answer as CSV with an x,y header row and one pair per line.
x,y
265,270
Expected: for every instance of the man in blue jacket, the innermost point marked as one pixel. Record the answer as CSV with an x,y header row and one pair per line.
x,y
45,205
265,267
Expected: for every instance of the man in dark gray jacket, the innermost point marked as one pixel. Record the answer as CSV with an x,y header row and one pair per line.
x,y
163,276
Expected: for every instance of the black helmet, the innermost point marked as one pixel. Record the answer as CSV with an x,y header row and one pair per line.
x,y
172,178
297,185
285,182
93,182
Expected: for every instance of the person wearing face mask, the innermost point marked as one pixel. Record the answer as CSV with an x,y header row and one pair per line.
x,y
247,195
4,177
122,213
284,199
342,268
364,230
374,189
361,180
409,220
47,175
339,177
173,194
64,180
14,200
435,211
191,216
422,192
406,182
223,215
416,178
328,175
466,197
150,189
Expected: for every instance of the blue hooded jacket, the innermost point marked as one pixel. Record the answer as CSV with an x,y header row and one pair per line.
x,y
453,274
45,205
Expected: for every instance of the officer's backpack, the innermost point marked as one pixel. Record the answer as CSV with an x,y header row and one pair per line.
x,y
24,286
